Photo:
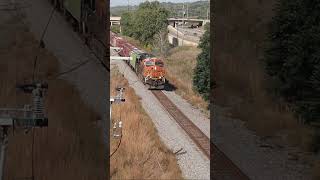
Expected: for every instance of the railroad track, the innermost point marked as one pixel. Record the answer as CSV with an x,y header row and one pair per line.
x,y
223,167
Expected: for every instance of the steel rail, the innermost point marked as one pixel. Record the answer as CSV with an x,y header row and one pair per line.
x,y
223,167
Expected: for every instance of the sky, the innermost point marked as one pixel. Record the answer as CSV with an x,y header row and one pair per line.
x,y
136,2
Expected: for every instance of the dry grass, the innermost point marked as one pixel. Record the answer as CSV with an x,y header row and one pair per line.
x,y
141,154
179,66
240,74
71,147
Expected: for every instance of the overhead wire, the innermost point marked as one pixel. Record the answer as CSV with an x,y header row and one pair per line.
x,y
116,148
41,43
72,69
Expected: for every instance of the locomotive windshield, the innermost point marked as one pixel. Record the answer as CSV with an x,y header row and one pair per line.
x,y
149,63
146,56
159,63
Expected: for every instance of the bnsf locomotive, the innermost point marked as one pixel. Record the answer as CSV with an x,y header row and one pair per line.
x,y
150,69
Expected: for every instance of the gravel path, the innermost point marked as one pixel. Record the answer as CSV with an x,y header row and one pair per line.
x,y
91,80
243,148
193,163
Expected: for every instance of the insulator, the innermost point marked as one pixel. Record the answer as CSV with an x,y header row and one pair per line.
x,y
38,108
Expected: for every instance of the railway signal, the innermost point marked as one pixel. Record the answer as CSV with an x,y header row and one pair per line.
x,y
117,127
27,117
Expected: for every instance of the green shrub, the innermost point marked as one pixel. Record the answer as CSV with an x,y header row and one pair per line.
x,y
201,79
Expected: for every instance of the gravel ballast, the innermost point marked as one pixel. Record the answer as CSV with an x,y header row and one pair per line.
x,y
194,164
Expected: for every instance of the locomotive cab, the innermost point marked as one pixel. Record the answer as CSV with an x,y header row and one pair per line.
x,y
153,73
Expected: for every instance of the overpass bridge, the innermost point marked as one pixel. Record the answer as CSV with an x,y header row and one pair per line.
x,y
178,32
114,20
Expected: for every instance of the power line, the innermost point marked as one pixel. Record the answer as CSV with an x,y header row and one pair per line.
x,y
69,70
41,44
116,148
119,140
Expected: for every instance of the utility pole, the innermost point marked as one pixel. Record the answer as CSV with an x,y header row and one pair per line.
x,y
128,6
183,11
177,33
208,12
188,9
27,117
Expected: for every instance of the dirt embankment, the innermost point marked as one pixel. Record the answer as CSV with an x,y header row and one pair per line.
x,y
141,154
70,148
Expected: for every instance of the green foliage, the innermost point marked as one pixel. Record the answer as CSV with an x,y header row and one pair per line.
x,y
127,23
149,19
115,29
293,57
201,79
196,9
161,43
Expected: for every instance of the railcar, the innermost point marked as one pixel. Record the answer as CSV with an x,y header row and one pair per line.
x,y
83,12
150,69
88,17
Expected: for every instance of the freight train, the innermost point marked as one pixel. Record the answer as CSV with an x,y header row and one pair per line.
x,y
82,12
149,68
88,18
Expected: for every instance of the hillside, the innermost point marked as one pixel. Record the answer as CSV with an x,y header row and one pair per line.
x,y
197,9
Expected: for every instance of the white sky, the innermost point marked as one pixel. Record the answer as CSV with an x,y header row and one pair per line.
x,y
136,2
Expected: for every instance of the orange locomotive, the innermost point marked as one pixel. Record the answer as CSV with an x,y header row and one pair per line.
x,y
153,73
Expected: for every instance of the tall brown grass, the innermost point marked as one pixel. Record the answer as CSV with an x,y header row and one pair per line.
x,y
180,66
141,155
70,147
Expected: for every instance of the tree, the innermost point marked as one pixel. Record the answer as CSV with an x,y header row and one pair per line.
x,y
160,41
127,23
115,28
201,78
144,23
293,56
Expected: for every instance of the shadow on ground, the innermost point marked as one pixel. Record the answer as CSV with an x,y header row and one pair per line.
x,y
169,87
